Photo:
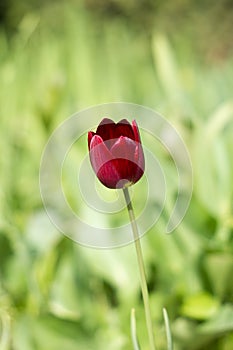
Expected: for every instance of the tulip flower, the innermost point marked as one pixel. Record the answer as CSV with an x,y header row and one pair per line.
x,y
116,153
117,159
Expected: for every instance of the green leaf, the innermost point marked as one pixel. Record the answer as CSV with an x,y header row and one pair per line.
x,y
49,332
200,306
221,322
219,267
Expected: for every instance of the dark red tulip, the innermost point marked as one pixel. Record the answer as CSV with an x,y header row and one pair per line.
x,y
116,153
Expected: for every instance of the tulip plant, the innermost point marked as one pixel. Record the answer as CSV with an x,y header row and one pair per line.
x,y
117,158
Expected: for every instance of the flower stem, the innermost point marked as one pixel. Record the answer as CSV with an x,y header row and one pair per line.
x,y
144,288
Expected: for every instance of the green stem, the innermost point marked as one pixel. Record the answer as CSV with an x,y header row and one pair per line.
x,y
144,288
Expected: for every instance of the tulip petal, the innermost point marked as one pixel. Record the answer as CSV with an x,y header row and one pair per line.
x,y
109,175
126,162
123,128
106,129
124,148
90,135
140,161
99,153
109,131
103,162
136,131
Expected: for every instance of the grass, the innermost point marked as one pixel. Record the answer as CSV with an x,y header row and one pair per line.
x,y
55,294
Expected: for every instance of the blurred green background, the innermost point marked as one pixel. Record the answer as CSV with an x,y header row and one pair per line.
x,y
59,57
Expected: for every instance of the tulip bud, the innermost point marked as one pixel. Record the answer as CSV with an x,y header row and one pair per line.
x,y
116,153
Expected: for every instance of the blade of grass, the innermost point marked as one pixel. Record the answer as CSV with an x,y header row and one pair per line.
x,y
136,345
168,330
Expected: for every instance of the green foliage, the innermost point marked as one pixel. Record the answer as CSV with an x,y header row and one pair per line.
x,y
55,294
